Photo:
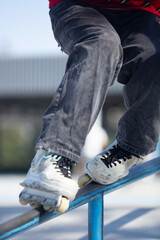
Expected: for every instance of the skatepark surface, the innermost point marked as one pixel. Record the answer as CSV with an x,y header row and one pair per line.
x,y
130,213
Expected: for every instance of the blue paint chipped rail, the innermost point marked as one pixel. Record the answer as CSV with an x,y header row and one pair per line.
x,y
91,194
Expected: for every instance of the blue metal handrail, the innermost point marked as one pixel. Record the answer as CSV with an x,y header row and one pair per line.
x,y
92,194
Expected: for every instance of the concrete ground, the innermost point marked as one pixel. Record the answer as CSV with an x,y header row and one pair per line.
x,y
130,213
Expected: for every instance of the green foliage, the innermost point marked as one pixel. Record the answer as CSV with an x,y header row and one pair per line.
x,y
17,141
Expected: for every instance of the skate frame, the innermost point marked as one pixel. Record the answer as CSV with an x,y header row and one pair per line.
x,y
92,194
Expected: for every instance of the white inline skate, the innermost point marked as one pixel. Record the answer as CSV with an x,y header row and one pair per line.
x,y
49,183
108,166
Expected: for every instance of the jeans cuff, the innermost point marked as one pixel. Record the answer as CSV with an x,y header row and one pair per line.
x,y
63,152
131,148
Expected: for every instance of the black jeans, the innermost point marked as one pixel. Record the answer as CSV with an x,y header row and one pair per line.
x,y
104,46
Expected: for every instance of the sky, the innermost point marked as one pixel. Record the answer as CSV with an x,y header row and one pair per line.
x,y
25,28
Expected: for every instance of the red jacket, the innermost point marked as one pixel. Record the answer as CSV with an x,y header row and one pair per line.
x,y
123,5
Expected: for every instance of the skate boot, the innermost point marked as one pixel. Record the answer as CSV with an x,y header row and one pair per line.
x,y
108,166
49,183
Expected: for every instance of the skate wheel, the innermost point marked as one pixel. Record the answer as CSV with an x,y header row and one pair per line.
x,y
83,180
64,205
48,208
23,202
34,205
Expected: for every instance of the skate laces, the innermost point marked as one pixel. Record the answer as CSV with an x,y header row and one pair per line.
x,y
62,164
115,155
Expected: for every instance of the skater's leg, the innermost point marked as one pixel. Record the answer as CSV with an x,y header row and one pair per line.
x,y
139,128
94,60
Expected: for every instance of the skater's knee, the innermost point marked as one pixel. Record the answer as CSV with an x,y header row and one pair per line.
x,y
105,45
110,38
151,64
107,41
150,54
155,59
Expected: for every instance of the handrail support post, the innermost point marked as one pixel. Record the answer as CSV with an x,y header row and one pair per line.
x,y
95,218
